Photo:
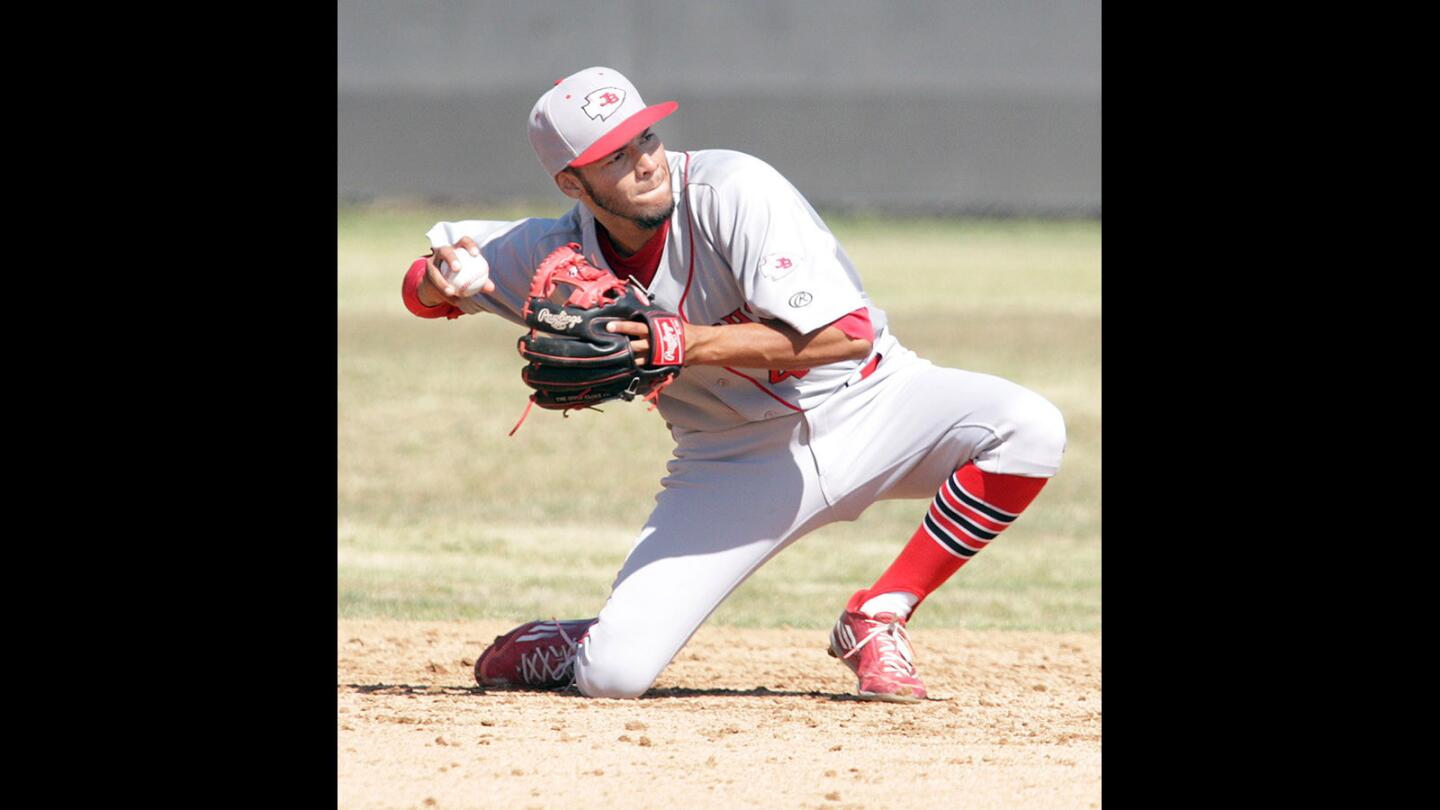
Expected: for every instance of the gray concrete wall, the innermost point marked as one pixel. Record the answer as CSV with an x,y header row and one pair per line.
x,y
959,106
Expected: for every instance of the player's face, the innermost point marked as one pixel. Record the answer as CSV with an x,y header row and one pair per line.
x,y
633,182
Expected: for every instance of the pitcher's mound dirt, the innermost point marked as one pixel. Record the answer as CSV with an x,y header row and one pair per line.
x,y
753,718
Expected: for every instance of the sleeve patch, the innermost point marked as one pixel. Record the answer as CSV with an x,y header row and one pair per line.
x,y
775,266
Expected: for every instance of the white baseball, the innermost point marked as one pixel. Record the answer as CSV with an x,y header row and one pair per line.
x,y
470,274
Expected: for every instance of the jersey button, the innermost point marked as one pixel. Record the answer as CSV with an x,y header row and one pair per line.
x,y
770,414
722,382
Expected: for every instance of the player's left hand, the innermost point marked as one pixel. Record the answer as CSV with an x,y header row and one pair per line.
x,y
639,337
580,351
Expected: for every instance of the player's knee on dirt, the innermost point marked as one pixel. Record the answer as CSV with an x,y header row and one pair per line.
x,y
1032,434
611,676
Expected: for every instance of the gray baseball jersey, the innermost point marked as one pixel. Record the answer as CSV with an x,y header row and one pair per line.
x,y
743,244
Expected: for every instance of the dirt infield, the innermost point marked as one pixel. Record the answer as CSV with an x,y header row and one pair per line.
x,y
758,718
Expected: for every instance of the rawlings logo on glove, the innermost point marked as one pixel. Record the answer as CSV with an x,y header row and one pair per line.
x,y
587,364
557,320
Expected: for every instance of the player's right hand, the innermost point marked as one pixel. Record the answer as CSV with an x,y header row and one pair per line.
x,y
464,270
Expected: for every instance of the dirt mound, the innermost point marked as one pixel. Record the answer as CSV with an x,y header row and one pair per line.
x,y
750,717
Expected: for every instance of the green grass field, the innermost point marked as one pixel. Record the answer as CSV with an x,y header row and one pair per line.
x,y
442,516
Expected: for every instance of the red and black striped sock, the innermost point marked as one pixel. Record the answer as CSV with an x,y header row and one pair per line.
x,y
971,509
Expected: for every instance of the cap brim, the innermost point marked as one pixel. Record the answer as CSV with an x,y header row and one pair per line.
x,y
623,132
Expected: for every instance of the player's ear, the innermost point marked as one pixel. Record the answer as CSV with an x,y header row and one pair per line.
x,y
569,184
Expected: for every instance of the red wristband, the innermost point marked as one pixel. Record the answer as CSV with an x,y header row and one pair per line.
x,y
410,294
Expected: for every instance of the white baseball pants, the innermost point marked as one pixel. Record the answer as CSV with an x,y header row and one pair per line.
x,y
735,498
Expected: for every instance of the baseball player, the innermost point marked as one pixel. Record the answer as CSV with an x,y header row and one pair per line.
x,y
797,406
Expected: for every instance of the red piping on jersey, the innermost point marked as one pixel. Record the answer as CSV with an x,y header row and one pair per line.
x,y
690,234
772,394
865,372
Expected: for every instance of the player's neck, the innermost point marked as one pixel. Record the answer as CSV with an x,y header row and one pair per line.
x,y
625,236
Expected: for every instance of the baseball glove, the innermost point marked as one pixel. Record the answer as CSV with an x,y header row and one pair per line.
x,y
572,361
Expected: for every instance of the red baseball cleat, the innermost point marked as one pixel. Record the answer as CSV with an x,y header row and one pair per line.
x,y
536,654
877,649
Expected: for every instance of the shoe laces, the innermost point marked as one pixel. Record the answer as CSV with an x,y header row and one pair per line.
x,y
550,663
892,644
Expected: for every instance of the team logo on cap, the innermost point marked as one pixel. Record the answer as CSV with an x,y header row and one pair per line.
x,y
603,103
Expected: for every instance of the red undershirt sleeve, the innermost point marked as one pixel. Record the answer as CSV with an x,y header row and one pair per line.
x,y
409,293
856,325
